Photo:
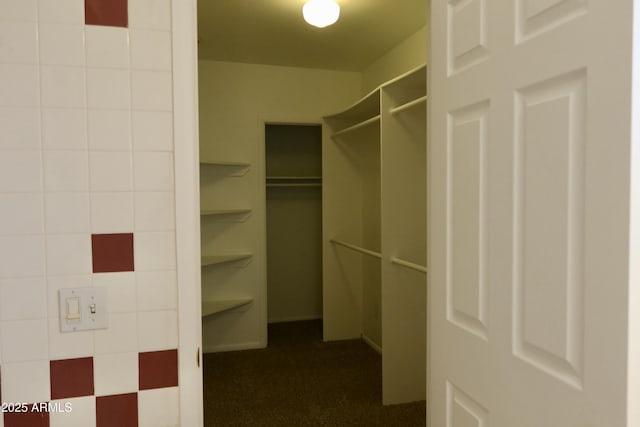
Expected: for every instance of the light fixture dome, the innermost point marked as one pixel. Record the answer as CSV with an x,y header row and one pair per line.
x,y
321,13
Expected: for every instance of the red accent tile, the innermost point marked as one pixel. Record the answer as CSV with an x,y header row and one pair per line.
x,y
158,369
27,419
112,252
119,410
71,377
111,13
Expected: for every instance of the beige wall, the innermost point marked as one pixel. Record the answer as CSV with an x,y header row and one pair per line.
x,y
409,54
235,100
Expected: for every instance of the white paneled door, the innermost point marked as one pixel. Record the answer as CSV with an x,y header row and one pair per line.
x,y
530,139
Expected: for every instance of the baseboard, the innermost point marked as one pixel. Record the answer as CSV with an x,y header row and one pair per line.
x,y
295,319
233,347
372,344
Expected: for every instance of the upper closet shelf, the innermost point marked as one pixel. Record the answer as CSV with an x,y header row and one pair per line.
x,y
408,105
359,125
235,168
218,306
294,181
206,212
209,260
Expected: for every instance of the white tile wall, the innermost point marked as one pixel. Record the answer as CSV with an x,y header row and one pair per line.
x,y
109,130
19,85
62,44
121,291
150,14
115,373
19,128
64,129
20,171
152,131
154,211
120,337
112,212
111,171
68,345
19,42
157,290
22,299
65,11
157,330
151,90
82,414
66,171
63,86
86,147
26,381
15,346
153,171
154,251
19,10
159,407
21,256
107,47
108,88
21,213
150,50
68,254
67,212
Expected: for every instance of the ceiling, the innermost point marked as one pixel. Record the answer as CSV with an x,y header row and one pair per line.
x,y
273,32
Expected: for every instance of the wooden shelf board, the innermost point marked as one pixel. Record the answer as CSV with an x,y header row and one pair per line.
x,y
223,163
294,178
207,212
218,306
365,123
414,103
222,259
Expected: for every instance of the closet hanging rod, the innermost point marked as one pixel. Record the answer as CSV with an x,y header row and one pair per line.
x,y
408,105
357,126
356,248
411,265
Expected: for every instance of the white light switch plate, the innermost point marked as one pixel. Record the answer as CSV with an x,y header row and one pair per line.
x,y
83,309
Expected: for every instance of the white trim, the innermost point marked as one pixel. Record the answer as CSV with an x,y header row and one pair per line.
x,y
187,202
372,343
251,345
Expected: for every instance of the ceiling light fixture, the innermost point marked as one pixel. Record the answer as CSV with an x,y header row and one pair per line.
x,y
321,13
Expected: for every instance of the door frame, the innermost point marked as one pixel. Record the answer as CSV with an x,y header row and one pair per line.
x,y
187,205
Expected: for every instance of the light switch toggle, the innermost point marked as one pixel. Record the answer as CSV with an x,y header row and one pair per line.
x,y
83,309
73,308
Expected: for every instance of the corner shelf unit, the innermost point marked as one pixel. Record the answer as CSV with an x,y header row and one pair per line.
x,y
210,260
213,175
374,206
214,307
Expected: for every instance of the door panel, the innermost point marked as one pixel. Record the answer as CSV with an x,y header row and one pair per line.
x,y
529,147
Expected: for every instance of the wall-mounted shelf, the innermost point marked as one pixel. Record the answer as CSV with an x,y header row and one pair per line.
x,y
360,125
235,168
213,212
218,306
210,260
294,181
226,215
415,103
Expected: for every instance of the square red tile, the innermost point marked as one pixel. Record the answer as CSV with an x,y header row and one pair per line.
x,y
158,369
111,13
120,410
71,377
26,419
112,252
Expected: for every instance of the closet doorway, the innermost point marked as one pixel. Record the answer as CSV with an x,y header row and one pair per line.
x,y
293,168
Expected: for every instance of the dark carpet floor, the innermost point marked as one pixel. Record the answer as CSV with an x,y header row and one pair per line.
x,y
301,381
